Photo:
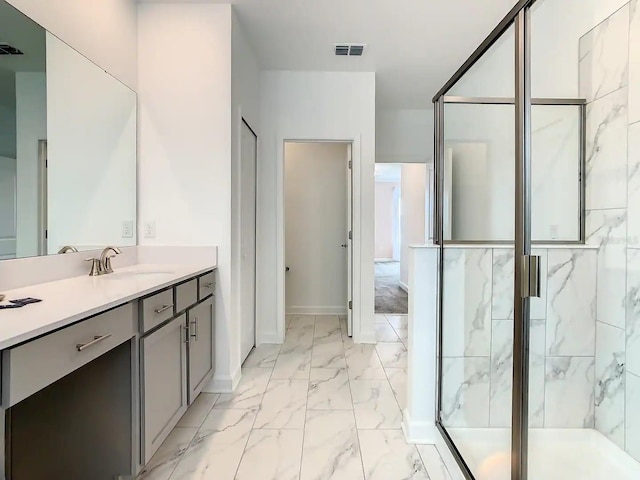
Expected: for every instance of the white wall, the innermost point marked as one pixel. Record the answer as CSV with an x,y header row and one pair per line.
x,y
384,219
404,136
315,227
412,215
91,127
314,106
31,126
104,31
185,145
245,103
7,207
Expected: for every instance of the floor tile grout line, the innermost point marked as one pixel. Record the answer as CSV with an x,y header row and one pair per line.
x,y
244,449
355,424
306,407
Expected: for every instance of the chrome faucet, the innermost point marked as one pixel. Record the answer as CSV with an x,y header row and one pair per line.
x,y
68,249
105,259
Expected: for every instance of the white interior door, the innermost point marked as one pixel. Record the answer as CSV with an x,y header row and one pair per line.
x,y
316,228
349,241
248,167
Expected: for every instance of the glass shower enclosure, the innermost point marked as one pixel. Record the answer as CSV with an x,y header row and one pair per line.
x,y
537,187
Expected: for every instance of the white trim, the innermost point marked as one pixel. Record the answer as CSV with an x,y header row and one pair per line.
x,y
224,383
337,310
269,338
385,260
404,286
419,433
368,337
358,307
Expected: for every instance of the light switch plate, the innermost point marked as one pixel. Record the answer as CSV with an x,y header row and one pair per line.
x,y
127,229
150,229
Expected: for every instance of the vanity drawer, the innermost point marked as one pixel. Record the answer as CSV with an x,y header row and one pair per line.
x,y
207,285
186,295
31,367
157,309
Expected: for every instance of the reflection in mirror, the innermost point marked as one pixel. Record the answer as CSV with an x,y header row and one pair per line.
x,y
23,128
67,146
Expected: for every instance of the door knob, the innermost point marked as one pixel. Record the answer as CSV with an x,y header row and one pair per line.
x,y
344,245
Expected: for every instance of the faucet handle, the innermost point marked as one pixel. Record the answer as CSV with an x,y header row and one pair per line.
x,y
95,266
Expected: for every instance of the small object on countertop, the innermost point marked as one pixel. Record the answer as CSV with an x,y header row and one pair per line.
x,y
11,305
25,301
2,297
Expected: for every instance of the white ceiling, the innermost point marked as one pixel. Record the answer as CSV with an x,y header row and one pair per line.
x,y
21,32
414,46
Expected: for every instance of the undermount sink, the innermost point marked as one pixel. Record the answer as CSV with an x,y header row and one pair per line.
x,y
132,275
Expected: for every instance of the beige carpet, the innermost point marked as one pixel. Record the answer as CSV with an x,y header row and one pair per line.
x,y
390,298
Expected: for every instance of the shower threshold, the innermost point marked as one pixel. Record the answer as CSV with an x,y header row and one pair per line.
x,y
554,454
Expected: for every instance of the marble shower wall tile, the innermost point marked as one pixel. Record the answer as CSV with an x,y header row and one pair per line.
x,y
606,152
465,392
608,229
633,186
633,312
569,392
632,427
634,61
609,392
467,302
502,293
604,55
571,302
502,370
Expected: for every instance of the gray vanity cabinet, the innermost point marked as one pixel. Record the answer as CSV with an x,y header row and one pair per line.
x,y
164,382
201,346
177,358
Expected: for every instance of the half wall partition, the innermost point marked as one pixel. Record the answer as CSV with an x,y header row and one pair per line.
x,y
538,220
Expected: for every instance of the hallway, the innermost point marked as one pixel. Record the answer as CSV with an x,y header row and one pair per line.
x,y
317,407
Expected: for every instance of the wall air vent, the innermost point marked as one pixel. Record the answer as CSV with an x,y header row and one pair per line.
x,y
351,50
6,49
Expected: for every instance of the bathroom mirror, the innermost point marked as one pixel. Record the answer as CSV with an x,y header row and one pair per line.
x,y
67,146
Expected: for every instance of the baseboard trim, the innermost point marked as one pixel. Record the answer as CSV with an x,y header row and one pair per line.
x,y
367,337
224,383
418,433
269,338
404,286
338,310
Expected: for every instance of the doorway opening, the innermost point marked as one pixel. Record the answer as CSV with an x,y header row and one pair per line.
x,y
400,220
318,229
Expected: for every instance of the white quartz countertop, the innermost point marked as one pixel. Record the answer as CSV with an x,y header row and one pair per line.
x,y
67,301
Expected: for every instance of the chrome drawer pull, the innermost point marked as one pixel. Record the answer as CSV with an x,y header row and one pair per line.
x,y
163,308
194,322
97,339
208,285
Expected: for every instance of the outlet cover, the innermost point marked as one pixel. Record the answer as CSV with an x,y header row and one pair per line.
x,y
150,230
127,229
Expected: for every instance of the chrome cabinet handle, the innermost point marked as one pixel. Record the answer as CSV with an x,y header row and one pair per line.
x,y
163,308
97,339
186,333
194,322
208,285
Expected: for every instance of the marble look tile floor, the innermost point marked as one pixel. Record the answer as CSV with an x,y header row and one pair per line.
x,y
319,407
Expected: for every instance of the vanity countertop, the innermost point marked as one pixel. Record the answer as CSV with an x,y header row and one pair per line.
x,y
67,301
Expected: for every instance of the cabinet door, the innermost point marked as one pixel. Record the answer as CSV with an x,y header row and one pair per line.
x,y
201,346
164,375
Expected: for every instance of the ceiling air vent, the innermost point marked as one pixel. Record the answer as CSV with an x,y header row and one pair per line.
x,y
352,50
6,49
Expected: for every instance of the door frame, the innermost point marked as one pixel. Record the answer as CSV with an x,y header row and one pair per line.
x,y
244,122
356,225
